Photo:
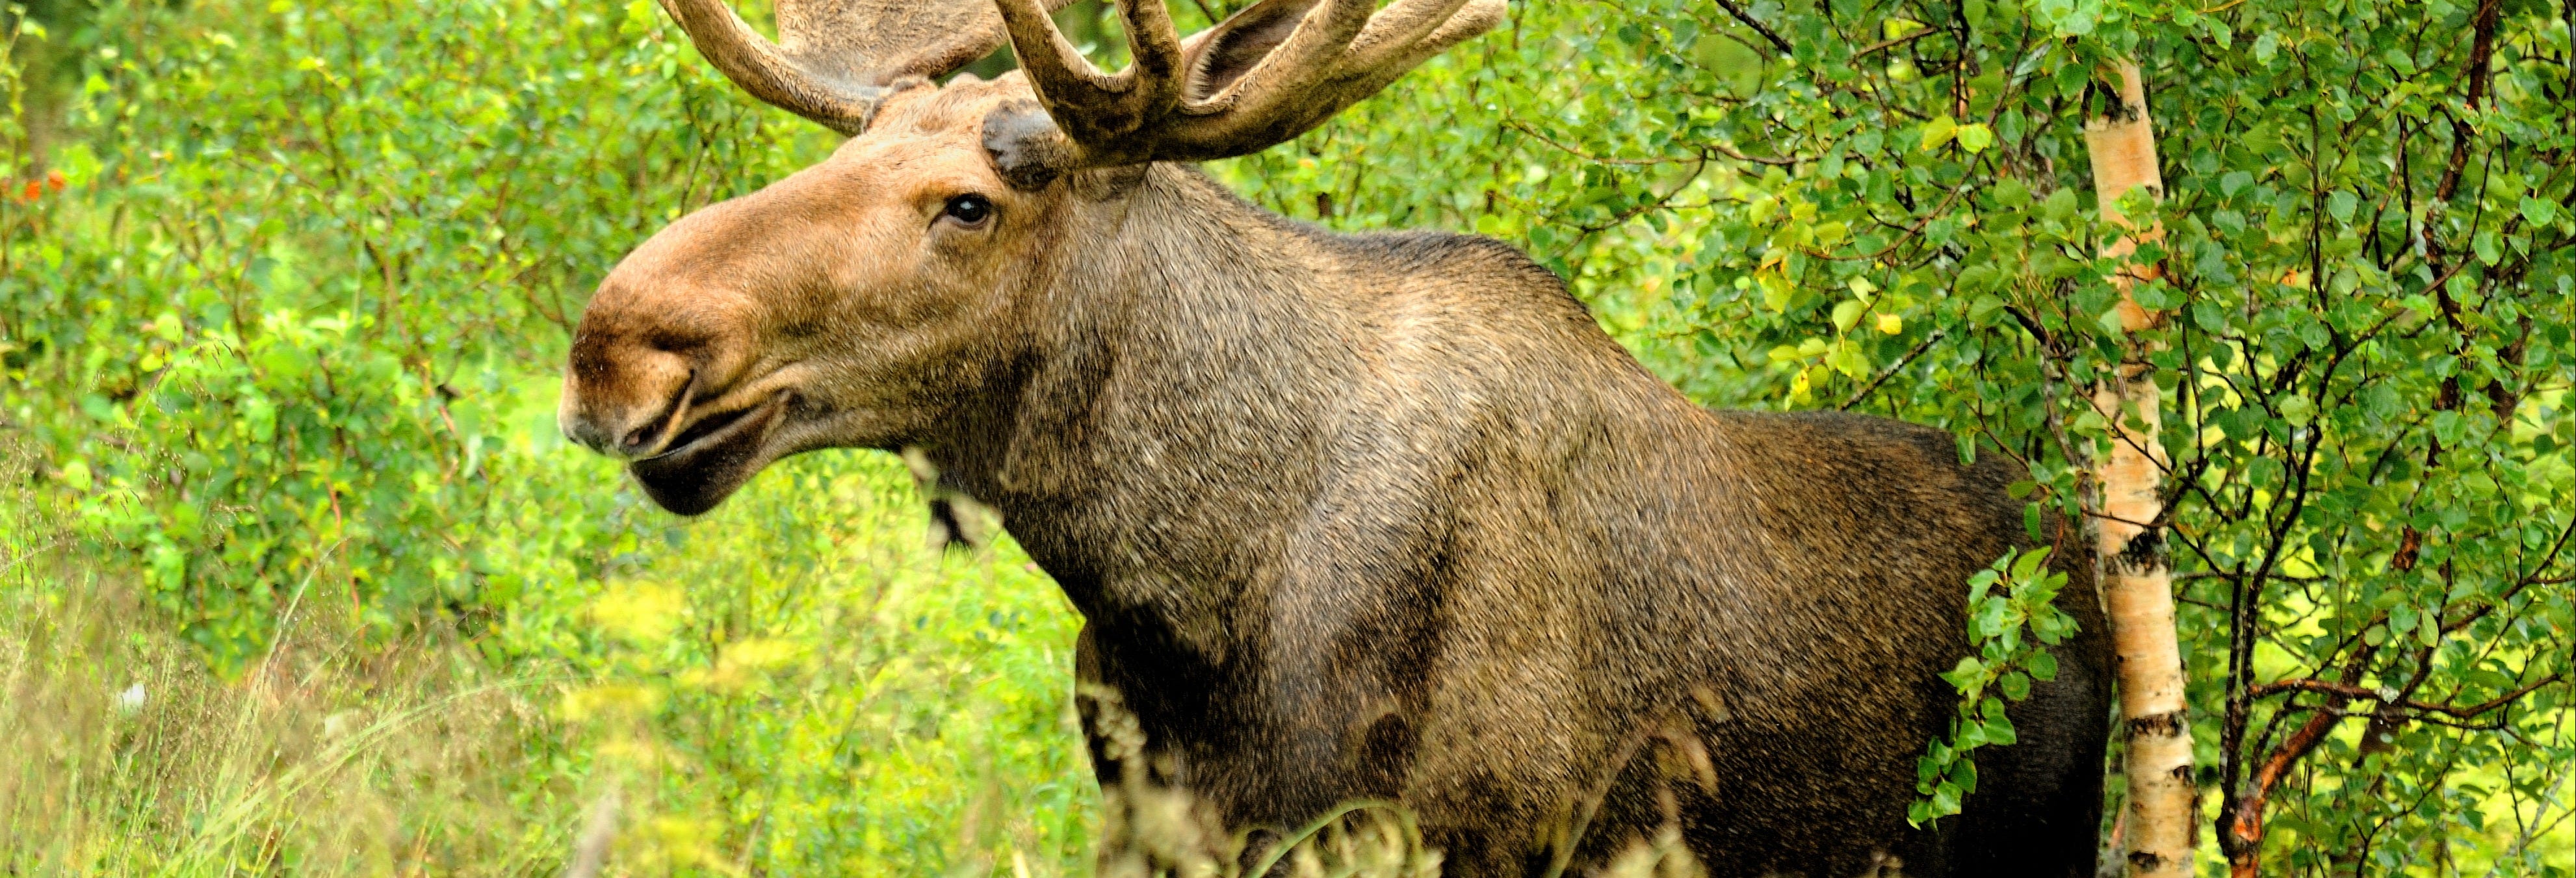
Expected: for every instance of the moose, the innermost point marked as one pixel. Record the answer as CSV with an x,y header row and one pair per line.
x,y
1378,516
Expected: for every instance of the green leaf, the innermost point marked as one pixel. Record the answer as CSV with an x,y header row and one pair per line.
x,y
2011,194
2059,206
2538,212
1971,736
2297,410
2029,563
1847,312
2208,317
2450,427
2157,296
1968,672
1978,583
1848,359
1989,619
1938,132
1975,138
75,473
2382,402
1983,309
2042,665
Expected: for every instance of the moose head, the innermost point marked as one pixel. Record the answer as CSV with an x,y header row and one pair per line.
x,y
858,302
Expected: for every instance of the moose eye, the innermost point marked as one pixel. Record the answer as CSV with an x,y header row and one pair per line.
x,y
970,209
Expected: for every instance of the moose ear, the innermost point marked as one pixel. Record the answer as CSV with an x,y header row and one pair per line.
x,y
1025,145
1218,56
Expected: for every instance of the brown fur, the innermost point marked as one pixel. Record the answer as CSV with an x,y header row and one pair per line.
x,y
1364,516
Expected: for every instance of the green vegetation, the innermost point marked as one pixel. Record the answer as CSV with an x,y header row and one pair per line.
x,y
295,575
2000,658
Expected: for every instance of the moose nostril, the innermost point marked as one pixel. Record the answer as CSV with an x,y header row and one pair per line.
x,y
636,439
653,430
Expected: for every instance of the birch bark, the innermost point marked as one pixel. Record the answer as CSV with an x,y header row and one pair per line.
x,y
2136,580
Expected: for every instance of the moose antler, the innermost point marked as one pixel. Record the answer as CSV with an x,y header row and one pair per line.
x,y
835,59
1261,77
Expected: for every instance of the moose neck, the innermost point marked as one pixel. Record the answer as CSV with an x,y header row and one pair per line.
x,y
1169,424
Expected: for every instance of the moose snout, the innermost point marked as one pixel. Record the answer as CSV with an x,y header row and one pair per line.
x,y
624,400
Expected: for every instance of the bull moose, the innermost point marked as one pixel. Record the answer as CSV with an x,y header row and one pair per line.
x,y
1380,516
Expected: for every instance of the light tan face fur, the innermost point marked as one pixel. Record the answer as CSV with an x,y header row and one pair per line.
x,y
848,305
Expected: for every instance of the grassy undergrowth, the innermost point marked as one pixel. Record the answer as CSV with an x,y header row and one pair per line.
x,y
798,686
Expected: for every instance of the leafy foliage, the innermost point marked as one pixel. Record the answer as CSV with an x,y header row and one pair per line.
x,y
2001,662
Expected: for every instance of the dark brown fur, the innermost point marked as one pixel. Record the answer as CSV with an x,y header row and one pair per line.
x,y
1378,516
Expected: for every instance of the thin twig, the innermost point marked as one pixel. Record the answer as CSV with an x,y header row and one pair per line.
x,y
1577,152
1890,371
1894,42
1730,152
2347,690
1747,18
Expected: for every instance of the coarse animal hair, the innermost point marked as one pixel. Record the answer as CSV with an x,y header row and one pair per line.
x,y
1378,516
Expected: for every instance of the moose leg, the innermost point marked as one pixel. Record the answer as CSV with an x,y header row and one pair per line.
x,y
1151,824
1109,731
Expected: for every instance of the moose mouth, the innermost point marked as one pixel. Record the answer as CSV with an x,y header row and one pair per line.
x,y
711,458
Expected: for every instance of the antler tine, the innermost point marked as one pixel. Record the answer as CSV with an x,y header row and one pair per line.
x,y
1416,26
757,65
835,59
1309,56
1300,86
1054,67
1155,46
1099,110
1264,75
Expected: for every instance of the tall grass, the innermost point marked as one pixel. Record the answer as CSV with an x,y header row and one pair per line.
x,y
778,694
126,755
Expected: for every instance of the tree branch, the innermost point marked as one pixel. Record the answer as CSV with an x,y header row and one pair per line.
x,y
1747,18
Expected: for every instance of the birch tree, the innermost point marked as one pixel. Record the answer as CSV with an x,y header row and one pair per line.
x,y
2129,554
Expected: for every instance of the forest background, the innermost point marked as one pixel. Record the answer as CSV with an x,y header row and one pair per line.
x,y
296,575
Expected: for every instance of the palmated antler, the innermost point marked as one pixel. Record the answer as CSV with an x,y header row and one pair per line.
x,y
1261,77
835,59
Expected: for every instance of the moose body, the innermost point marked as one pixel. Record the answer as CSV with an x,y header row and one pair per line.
x,y
1381,516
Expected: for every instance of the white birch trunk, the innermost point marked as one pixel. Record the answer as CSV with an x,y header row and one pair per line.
x,y
2136,581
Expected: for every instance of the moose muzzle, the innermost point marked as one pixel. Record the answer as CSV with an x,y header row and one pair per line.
x,y
623,400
